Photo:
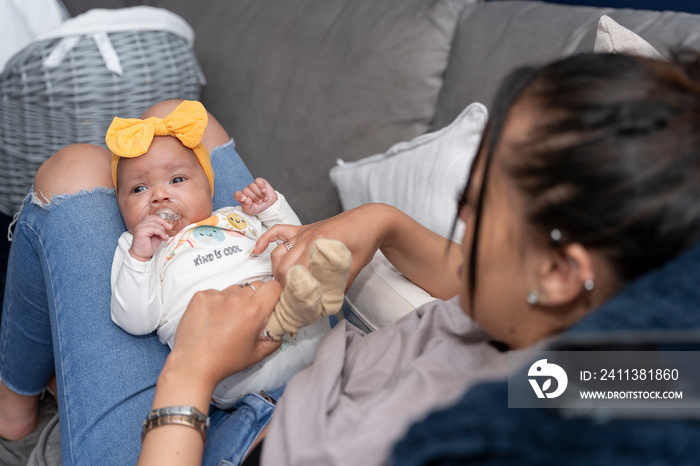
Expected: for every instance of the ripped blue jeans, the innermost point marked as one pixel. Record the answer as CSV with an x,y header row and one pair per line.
x,y
56,316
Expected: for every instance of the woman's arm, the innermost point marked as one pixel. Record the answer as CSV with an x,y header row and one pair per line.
x,y
176,444
428,259
424,257
219,334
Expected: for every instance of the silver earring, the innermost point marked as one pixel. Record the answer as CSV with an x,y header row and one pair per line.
x,y
589,285
555,234
533,297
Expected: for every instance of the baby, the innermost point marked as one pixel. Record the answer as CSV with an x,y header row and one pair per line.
x,y
175,245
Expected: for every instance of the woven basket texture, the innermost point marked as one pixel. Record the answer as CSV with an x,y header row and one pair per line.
x,y
45,109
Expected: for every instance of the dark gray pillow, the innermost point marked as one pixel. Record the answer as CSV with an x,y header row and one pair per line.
x,y
493,38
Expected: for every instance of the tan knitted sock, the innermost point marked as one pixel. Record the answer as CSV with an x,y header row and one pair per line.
x,y
329,263
298,306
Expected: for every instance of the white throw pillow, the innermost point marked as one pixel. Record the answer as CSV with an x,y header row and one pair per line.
x,y
613,38
381,295
423,178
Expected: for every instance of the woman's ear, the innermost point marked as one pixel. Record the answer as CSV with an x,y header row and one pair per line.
x,y
565,274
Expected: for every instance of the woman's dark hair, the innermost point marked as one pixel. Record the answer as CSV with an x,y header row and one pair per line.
x,y
612,156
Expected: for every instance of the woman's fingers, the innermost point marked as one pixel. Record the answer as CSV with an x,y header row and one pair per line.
x,y
264,293
262,298
221,330
293,248
276,233
285,256
286,235
361,236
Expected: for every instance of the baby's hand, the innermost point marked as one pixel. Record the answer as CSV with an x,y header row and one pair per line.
x,y
256,197
147,237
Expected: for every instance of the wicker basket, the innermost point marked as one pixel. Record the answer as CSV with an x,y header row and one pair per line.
x,y
43,109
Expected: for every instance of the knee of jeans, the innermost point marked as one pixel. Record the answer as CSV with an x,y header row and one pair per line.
x,y
36,197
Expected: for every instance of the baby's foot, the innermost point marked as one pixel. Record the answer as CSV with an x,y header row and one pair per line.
x,y
298,306
329,262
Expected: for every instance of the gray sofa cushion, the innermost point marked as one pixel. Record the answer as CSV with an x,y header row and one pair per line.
x,y
494,37
301,83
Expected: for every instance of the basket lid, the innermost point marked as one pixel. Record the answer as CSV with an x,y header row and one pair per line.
x,y
123,19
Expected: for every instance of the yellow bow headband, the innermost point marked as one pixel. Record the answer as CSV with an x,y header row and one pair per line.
x,y
131,137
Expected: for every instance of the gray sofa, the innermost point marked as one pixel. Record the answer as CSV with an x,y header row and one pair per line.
x,y
302,83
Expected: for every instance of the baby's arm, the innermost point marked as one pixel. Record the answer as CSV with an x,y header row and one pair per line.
x,y
147,237
257,197
279,212
135,305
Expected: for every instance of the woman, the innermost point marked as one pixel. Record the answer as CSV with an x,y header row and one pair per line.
x,y
587,179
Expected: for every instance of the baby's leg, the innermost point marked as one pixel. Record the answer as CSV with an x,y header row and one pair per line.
x,y
299,304
329,262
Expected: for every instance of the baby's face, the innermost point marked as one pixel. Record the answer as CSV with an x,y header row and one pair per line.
x,y
166,175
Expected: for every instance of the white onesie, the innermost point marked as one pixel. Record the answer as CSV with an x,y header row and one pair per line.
x,y
211,254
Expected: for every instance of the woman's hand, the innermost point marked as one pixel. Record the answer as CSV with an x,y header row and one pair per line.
x,y
363,230
219,334
221,331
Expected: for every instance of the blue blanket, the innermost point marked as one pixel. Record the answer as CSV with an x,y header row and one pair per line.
x,y
481,429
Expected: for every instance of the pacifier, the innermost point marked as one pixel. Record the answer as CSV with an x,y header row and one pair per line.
x,y
173,211
169,215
